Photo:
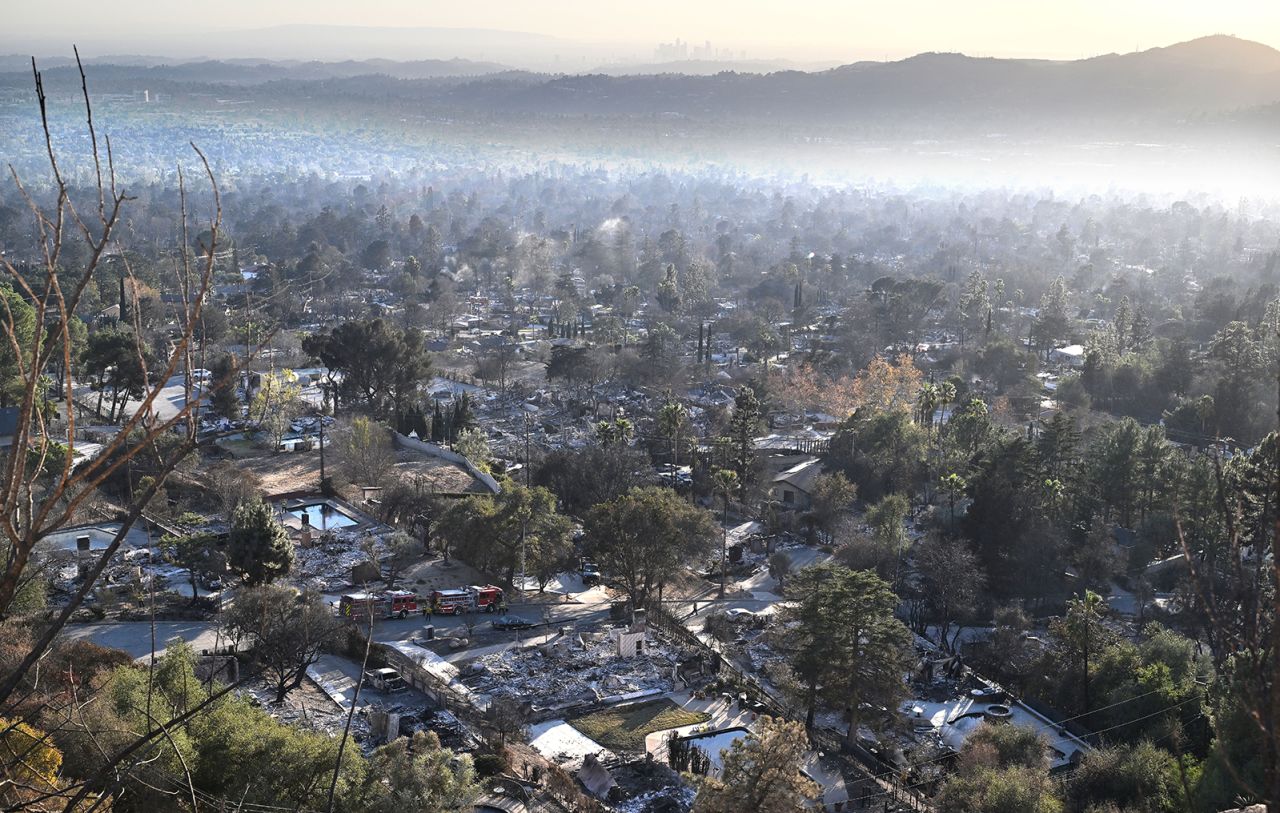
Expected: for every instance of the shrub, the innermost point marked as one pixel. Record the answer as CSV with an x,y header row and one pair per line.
x,y
490,764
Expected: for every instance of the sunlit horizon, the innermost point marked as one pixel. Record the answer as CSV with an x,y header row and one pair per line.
x,y
809,30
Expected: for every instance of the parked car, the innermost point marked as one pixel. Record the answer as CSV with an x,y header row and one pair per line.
x,y
386,680
675,478
512,622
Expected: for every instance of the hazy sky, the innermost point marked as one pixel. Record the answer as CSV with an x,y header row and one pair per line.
x,y
799,29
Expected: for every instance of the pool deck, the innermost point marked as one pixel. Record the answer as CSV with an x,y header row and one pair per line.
x,y
725,715
289,511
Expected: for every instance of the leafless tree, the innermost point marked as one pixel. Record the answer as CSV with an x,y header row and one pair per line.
x,y
402,551
496,363
231,486
42,486
506,717
366,451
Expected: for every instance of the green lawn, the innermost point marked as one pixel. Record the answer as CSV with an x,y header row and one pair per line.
x,y
624,728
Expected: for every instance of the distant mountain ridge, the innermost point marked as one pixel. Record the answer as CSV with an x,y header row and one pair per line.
x,y
1210,76
307,42
256,71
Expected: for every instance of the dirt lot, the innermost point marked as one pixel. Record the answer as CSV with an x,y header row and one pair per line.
x,y
285,472
435,475
297,471
435,574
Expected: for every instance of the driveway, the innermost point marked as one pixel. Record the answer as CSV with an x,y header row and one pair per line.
x,y
172,398
757,592
337,677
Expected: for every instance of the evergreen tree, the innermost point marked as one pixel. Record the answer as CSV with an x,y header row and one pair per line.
x,y
1053,320
437,424
224,399
1058,444
463,417
844,644
669,291
258,547
742,434
420,424
417,774
763,773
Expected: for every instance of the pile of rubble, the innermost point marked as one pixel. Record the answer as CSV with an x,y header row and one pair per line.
x,y
562,417
327,564
372,725
130,571
453,733
575,670
674,798
305,708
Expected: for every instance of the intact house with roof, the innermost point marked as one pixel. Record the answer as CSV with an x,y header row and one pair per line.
x,y
793,487
1070,356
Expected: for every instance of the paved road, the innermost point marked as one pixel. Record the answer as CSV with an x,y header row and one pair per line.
x,y
172,398
134,637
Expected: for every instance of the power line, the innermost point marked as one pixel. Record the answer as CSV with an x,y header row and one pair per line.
x,y
1050,743
1182,702
221,802
1063,739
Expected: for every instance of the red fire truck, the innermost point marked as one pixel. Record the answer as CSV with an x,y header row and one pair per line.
x,y
391,604
473,599
400,603
487,598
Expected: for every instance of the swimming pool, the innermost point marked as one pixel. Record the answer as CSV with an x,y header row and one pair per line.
x,y
324,517
714,743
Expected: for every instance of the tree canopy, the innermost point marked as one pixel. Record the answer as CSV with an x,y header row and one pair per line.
x,y
382,366
645,537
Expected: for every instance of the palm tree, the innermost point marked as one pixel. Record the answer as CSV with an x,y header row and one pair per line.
x,y
671,419
724,482
624,430
1082,614
618,430
1204,411
954,485
946,394
927,400
927,405
946,397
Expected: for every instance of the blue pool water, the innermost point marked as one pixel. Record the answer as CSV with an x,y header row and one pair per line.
x,y
324,517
